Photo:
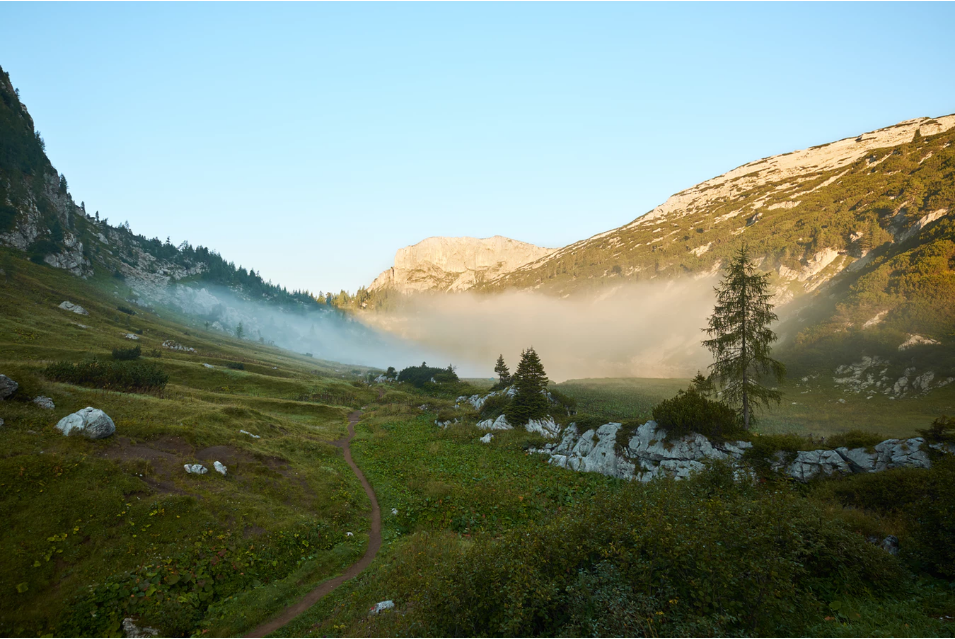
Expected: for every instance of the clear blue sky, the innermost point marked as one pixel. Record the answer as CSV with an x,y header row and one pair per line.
x,y
310,141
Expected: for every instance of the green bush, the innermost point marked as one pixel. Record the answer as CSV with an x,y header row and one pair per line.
x,y
691,412
120,376
942,431
236,366
765,449
495,406
418,376
854,439
127,354
125,309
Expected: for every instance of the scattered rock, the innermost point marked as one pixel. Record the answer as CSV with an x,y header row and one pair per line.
x,y
500,423
7,387
381,606
176,346
890,545
917,340
220,467
348,534
44,402
196,469
487,438
132,336
130,629
90,422
1,421
74,308
208,365
80,325
446,423
394,511
245,432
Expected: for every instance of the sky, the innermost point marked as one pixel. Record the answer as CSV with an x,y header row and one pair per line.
x,y
311,141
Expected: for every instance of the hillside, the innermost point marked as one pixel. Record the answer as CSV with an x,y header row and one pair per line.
x,y
450,264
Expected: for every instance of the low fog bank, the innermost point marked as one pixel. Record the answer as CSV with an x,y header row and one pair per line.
x,y
325,333
646,329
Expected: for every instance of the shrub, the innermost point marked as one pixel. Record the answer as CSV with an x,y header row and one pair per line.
x,y
236,366
418,376
493,407
125,309
691,412
854,439
942,431
121,375
127,354
154,353
765,448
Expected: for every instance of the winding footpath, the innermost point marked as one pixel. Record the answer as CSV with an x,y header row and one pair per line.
x,y
374,543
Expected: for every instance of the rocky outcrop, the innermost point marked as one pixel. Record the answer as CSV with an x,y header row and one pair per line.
x,y
448,264
90,422
646,454
500,423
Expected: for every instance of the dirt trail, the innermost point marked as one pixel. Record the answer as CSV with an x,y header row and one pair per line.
x,y
374,543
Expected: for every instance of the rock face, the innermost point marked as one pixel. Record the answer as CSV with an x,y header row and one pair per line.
x,y
90,422
7,387
500,423
130,629
449,264
74,308
646,455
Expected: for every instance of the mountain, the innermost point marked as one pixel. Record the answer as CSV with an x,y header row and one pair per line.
x,y
449,264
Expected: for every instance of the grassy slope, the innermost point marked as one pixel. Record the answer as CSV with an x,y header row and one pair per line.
x,y
77,512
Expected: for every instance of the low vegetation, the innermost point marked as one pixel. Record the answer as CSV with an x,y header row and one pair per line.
x,y
119,375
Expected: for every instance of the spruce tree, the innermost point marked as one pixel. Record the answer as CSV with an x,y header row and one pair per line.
x,y
503,374
530,381
740,337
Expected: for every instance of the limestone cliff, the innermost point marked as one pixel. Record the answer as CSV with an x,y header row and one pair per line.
x,y
449,264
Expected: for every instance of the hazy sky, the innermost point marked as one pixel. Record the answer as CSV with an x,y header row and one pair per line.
x,y
310,141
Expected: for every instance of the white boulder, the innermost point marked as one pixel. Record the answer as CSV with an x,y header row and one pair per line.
x,y
74,308
500,423
382,605
90,422
196,469
546,427
487,438
220,467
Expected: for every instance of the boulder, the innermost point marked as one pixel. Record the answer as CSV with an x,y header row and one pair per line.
x,y
132,336
196,469
500,423
890,545
90,422
487,438
220,467
809,464
207,365
382,605
546,427
44,402
74,308
7,387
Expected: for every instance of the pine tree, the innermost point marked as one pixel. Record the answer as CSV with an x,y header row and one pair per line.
x,y
740,337
530,402
503,374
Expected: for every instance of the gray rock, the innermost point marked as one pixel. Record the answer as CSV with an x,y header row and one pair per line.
x,y
130,629
381,606
208,365
546,427
1,421
809,464
44,402
220,467
90,422
74,308
890,545
7,387
500,423
245,432
196,469
487,438
132,336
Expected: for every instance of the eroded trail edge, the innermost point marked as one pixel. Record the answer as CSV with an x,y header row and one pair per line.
x,y
374,543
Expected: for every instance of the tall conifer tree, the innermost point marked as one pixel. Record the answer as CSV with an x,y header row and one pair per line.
x,y
530,380
503,374
740,337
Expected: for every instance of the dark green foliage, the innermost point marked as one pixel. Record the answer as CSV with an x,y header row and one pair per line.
x,y
766,447
740,337
530,380
418,376
854,439
942,431
120,376
495,406
125,309
154,353
236,366
704,557
568,403
503,374
691,412
127,354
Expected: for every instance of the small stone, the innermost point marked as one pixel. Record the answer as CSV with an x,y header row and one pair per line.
x,y
250,434
348,534
208,365
890,545
132,336
7,387
220,467
196,469
91,422
44,402
487,438
382,605
130,629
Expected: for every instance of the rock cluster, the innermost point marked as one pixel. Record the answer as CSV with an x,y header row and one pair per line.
x,y
196,469
500,423
90,422
176,346
646,454
74,308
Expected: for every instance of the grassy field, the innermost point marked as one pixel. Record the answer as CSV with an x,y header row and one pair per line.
x,y
814,407
121,515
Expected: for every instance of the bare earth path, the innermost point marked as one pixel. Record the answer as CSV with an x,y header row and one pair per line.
x,y
374,543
